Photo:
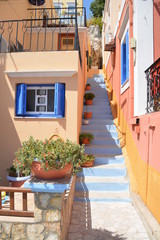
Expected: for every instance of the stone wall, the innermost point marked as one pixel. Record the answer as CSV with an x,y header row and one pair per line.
x,y
51,217
96,45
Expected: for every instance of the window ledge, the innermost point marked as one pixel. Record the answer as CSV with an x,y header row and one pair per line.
x,y
125,86
39,118
60,73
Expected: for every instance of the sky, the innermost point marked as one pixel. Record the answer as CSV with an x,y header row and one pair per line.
x,y
86,3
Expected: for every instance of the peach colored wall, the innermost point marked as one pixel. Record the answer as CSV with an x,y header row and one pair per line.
x,y
14,129
17,9
143,148
156,16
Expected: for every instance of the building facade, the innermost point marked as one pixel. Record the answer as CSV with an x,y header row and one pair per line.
x,y
131,46
43,71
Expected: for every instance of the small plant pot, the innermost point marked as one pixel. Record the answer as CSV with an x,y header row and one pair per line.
x,y
88,88
88,164
17,181
85,121
89,102
85,141
88,114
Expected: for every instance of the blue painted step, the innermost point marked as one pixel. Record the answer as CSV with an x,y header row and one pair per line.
x,y
81,186
102,172
99,127
123,200
107,141
108,160
103,150
102,133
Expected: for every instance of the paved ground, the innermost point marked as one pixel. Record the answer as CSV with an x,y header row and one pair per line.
x,y
106,221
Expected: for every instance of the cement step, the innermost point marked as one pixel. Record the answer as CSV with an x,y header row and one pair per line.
x,y
97,111
102,200
101,121
101,187
111,134
102,116
96,107
105,141
93,149
109,160
102,172
99,127
102,179
99,195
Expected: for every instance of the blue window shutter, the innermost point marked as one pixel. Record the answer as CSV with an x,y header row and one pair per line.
x,y
60,99
21,99
122,63
127,55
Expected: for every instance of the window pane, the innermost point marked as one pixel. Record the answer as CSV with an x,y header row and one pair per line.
x,y
30,101
41,100
41,92
40,108
50,105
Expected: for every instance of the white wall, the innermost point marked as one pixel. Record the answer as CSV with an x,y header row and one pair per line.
x,y
143,33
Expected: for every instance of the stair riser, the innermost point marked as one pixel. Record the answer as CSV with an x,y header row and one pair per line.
x,y
103,134
103,151
102,187
102,195
102,172
102,116
110,160
109,142
99,127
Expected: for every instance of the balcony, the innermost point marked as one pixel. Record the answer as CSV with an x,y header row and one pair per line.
x,y
46,30
153,87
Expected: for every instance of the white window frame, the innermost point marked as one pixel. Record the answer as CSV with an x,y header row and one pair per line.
x,y
36,99
126,84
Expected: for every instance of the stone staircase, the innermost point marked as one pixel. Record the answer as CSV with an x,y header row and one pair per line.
x,y
106,181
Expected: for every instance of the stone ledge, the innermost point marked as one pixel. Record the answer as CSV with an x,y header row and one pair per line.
x,y
151,224
54,186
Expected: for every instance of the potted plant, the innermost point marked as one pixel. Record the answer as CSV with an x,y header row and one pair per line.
x,y
15,178
20,171
88,86
86,138
50,159
89,98
89,160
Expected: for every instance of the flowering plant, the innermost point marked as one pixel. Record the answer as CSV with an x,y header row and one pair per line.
x,y
52,154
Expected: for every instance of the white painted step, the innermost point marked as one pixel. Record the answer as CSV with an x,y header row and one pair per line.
x,y
102,179
102,195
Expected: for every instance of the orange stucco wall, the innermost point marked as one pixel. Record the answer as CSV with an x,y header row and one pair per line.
x,y
143,148
13,129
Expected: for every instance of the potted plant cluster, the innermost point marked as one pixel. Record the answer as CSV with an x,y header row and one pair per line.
x,y
89,161
89,98
88,86
86,138
49,159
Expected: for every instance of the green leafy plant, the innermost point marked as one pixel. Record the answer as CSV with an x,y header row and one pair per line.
x,y
89,96
86,135
88,84
52,154
89,157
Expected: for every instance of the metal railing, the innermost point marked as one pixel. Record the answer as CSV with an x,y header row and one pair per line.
x,y
153,87
64,13
38,34
10,210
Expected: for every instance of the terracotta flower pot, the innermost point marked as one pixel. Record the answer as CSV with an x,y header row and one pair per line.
x,y
89,102
17,181
88,88
40,173
85,141
87,114
88,164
